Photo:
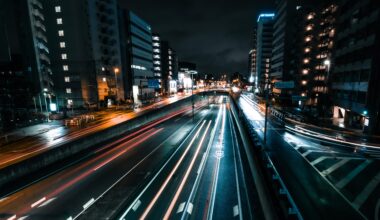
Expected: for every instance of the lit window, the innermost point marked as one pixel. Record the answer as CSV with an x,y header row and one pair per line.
x,y
307,50
61,33
59,20
104,79
65,68
310,16
64,56
156,50
57,9
103,69
67,79
309,28
305,71
62,44
307,39
68,90
304,82
306,61
156,44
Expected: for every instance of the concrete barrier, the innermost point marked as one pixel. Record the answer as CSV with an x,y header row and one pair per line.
x,y
85,143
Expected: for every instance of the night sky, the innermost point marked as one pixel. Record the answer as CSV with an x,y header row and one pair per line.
x,y
214,34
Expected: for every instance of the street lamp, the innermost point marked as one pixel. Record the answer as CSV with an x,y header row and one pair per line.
x,y
327,63
116,71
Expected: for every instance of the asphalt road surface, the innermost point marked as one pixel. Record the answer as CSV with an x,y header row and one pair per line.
x,y
183,165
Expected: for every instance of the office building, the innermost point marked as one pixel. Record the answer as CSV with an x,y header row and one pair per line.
x,y
85,52
264,48
137,56
355,68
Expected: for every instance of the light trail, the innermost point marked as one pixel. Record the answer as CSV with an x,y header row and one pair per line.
x,y
158,194
184,179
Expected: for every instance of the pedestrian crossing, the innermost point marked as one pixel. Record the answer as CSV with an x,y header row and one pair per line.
x,y
355,176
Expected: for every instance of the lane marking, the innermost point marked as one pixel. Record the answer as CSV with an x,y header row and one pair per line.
x,y
89,203
184,179
159,171
13,217
47,202
202,166
23,217
366,192
307,153
163,186
190,208
342,183
38,202
318,160
181,207
335,167
136,205
236,210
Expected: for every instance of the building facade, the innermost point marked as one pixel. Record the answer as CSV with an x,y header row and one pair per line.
x,y
85,50
355,65
264,48
25,64
252,71
187,72
137,56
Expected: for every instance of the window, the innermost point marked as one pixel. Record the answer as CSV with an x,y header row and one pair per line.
x,y
61,33
68,90
104,79
59,20
65,68
67,79
64,56
70,102
57,9
62,44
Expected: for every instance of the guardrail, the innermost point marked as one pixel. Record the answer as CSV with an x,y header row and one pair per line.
x,y
265,197
286,202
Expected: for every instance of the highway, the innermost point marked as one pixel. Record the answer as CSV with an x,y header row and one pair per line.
x,y
326,180
203,181
178,162
31,146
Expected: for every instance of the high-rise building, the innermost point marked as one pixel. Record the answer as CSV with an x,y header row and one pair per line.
x,y
252,72
85,50
137,55
169,65
355,72
264,48
25,73
286,51
156,44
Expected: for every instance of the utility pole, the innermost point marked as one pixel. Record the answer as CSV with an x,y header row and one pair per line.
x,y
192,93
266,111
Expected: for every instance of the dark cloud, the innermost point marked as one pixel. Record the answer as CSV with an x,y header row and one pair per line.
x,y
215,34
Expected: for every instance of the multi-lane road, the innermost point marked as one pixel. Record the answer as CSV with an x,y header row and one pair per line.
x,y
31,146
327,180
181,166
